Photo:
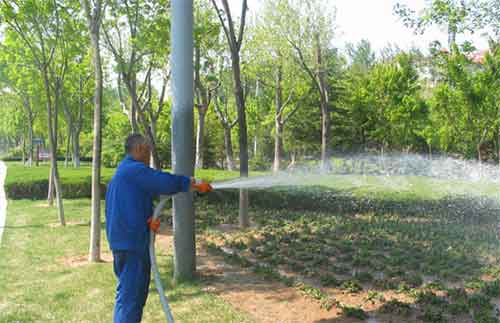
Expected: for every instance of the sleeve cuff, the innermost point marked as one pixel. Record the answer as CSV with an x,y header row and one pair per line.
x,y
186,184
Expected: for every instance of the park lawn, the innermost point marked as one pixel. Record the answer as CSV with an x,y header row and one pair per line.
x,y
18,173
403,187
37,286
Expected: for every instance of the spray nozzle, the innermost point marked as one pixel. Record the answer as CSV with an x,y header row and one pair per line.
x,y
202,186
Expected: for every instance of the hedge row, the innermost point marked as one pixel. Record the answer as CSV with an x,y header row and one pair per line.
x,y
327,200
37,190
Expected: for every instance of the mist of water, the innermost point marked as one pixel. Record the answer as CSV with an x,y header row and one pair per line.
x,y
401,172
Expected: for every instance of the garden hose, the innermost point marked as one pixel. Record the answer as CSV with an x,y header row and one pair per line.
x,y
200,186
154,266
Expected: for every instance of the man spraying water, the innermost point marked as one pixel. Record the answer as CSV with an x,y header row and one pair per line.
x,y
129,206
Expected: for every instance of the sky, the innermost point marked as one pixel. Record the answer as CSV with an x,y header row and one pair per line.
x,y
374,20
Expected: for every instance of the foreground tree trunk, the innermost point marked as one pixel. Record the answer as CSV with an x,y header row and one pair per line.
x,y
94,16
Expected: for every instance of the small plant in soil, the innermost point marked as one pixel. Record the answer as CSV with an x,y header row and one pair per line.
x,y
352,286
364,277
329,280
428,297
432,315
397,307
479,302
491,289
413,280
374,296
354,312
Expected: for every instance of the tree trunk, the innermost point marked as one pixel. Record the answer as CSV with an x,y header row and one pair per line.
x,y
37,160
243,138
131,86
67,155
54,174
200,137
325,136
76,148
94,16
278,121
278,144
291,166
325,110
23,157
30,139
95,224
255,145
154,151
30,119
228,148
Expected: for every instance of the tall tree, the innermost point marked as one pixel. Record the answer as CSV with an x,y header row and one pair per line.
x,y
139,47
93,12
39,25
235,41
18,74
308,26
206,51
457,16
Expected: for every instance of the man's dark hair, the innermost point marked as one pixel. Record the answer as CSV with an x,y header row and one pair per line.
x,y
133,141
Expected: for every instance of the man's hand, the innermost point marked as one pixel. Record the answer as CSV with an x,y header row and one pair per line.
x,y
202,187
154,225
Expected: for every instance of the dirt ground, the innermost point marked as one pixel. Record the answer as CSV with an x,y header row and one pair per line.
x,y
266,301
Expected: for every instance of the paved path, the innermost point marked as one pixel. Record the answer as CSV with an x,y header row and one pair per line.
x,y
3,201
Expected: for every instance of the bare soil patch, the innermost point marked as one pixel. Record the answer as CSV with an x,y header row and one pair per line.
x,y
83,260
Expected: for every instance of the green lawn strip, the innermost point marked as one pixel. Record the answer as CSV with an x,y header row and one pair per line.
x,y
17,173
36,285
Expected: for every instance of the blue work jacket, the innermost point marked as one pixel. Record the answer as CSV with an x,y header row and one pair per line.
x,y
129,202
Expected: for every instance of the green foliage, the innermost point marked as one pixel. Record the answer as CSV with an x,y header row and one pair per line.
x,y
354,312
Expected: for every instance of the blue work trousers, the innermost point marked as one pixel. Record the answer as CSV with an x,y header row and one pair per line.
x,y
133,270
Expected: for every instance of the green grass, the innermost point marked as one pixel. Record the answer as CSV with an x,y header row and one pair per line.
x,y
36,286
17,173
402,187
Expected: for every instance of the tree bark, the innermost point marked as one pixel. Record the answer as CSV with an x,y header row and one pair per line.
x,y
243,138
30,119
325,110
94,16
278,145
228,149
75,137
235,42
67,154
54,173
200,140
23,156
134,107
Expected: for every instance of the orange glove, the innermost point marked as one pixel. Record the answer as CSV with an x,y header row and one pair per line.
x,y
203,187
154,225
